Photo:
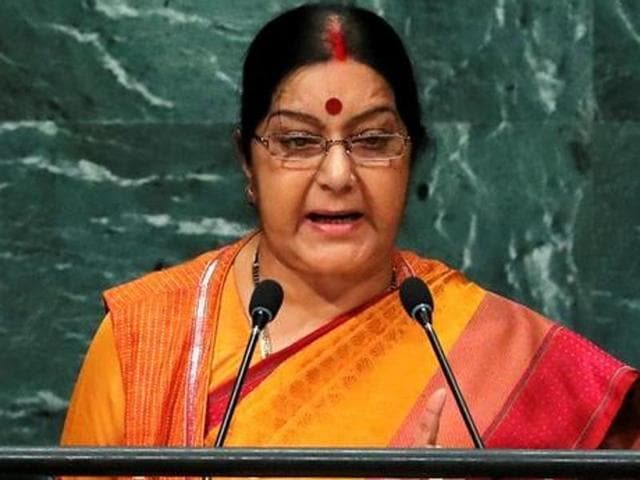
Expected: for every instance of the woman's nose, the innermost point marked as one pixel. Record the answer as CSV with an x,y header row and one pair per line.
x,y
336,170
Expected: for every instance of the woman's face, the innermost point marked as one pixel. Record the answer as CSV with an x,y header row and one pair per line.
x,y
338,218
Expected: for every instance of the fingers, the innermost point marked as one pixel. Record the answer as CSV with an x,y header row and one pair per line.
x,y
430,422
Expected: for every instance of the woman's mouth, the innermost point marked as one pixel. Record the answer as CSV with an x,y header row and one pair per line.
x,y
334,223
338,217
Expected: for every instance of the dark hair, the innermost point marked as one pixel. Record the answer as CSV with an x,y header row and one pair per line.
x,y
298,37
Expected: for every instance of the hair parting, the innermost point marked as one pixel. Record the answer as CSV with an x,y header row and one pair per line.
x,y
337,40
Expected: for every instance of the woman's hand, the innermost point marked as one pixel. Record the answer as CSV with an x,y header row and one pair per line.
x,y
430,423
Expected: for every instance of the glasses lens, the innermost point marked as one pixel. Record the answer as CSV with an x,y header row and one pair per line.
x,y
303,151
295,146
377,147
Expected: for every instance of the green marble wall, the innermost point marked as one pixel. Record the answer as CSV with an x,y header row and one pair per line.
x,y
115,118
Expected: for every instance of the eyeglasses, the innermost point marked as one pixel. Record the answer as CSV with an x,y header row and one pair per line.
x,y
302,151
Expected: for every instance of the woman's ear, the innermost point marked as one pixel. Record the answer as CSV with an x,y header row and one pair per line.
x,y
249,188
237,145
239,152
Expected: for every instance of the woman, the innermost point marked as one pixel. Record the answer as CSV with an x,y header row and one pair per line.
x,y
330,126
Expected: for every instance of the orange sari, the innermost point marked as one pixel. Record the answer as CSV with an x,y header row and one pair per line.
x,y
361,381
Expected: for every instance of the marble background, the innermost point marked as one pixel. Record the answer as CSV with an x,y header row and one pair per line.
x,y
115,159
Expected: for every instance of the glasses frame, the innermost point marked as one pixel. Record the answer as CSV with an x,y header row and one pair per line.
x,y
347,142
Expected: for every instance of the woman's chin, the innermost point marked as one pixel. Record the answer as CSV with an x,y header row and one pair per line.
x,y
346,257
340,260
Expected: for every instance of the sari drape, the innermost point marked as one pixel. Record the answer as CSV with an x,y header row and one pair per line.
x,y
361,372
363,379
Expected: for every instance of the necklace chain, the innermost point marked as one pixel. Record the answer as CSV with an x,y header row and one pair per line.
x,y
265,339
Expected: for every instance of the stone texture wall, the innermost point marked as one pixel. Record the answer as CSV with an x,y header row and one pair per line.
x,y
115,159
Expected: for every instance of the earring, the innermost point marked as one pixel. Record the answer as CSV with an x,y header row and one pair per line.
x,y
250,195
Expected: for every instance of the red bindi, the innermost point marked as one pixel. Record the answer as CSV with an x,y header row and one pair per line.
x,y
333,106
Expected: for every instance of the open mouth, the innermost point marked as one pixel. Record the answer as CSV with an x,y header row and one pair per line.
x,y
338,217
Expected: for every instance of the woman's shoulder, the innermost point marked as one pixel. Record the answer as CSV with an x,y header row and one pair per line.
x,y
177,278
431,270
451,286
419,265
504,317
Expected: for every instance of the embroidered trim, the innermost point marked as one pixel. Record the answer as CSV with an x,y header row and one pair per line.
x,y
612,389
522,383
197,345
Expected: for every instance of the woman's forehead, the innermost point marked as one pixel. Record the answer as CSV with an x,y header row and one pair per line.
x,y
383,114
332,88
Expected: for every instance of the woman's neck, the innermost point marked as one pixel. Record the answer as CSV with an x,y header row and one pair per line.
x,y
311,300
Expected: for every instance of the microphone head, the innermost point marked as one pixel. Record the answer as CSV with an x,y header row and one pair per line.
x,y
416,299
265,302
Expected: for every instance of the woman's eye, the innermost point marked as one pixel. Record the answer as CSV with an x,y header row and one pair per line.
x,y
298,141
373,132
371,141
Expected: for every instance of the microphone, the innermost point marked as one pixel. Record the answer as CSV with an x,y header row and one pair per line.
x,y
418,303
265,302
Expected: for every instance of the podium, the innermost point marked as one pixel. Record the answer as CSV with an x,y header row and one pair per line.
x,y
308,462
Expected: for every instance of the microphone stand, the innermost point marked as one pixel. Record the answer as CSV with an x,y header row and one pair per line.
x,y
237,386
265,302
425,322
